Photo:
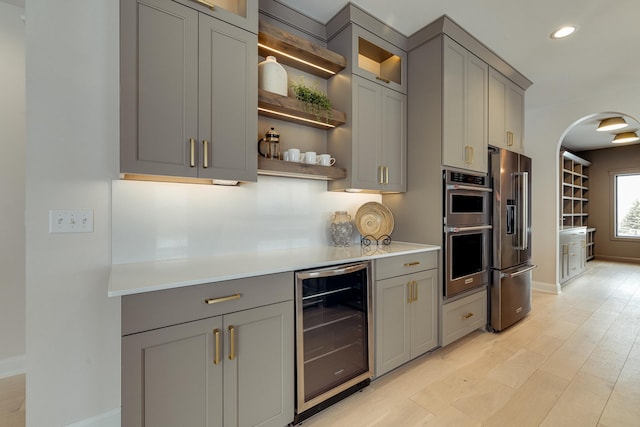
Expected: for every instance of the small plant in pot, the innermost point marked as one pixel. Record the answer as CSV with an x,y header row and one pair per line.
x,y
314,101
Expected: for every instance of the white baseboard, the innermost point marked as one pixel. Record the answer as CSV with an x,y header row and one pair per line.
x,y
107,419
12,366
546,287
618,259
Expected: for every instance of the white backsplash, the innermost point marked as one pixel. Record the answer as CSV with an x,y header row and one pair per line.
x,y
158,221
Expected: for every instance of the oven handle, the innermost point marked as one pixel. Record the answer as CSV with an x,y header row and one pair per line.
x,y
519,272
464,229
468,187
332,271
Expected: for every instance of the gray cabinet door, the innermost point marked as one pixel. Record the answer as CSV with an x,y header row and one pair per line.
x,y
169,377
379,137
259,380
159,87
394,142
228,101
366,137
506,112
392,324
424,313
465,120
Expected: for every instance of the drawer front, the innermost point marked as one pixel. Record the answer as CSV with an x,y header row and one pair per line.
x,y
463,316
151,310
405,264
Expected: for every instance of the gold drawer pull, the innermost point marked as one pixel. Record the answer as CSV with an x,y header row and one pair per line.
x,y
207,3
222,299
466,316
383,79
411,264
232,342
216,336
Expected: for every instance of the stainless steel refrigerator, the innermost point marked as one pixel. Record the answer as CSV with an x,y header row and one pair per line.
x,y
510,284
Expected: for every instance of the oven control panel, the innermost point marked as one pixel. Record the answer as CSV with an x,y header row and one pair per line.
x,y
466,178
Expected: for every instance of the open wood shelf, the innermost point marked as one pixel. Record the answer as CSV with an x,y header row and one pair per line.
x,y
299,170
288,47
290,109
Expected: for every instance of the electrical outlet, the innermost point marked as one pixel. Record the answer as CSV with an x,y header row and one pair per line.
x,y
71,221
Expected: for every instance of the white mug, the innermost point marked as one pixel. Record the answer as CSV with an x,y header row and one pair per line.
x,y
310,157
285,155
294,155
326,160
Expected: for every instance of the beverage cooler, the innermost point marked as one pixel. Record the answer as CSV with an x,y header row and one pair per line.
x,y
333,335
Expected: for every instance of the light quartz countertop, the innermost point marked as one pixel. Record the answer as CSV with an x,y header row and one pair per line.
x,y
139,277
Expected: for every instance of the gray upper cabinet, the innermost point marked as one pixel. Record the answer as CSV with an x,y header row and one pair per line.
x,y
188,93
506,112
372,144
465,116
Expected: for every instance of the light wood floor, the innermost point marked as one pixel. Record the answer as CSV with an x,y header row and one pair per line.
x,y
12,403
573,361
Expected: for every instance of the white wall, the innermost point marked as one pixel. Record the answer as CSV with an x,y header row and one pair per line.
x,y
12,182
545,128
72,327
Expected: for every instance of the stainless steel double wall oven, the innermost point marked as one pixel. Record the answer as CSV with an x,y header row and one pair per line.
x,y
467,231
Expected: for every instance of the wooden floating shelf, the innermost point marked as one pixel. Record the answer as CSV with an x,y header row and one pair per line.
x,y
299,170
288,46
290,109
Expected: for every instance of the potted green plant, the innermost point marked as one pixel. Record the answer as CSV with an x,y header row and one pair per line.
x,y
314,101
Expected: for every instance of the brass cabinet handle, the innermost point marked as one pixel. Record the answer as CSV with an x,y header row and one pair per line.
x,y
207,3
509,138
409,291
415,290
380,174
383,79
232,342
386,174
216,351
468,151
205,154
222,299
466,316
192,152
411,264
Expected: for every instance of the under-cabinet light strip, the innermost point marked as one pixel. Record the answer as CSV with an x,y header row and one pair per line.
x,y
295,58
278,113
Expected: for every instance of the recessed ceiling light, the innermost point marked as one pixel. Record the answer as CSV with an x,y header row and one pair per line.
x,y
612,123
563,32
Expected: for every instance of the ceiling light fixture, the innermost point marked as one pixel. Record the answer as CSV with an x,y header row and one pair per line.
x,y
625,137
563,32
612,123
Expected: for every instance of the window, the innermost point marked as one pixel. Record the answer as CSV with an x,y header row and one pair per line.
x,y
627,205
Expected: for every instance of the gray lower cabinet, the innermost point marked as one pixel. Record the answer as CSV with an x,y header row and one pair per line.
x,y
188,93
573,252
233,369
406,309
463,316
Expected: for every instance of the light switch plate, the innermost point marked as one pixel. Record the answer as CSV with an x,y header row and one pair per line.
x,y
71,221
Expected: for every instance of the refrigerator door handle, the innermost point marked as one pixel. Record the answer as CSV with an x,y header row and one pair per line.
x,y
519,272
523,203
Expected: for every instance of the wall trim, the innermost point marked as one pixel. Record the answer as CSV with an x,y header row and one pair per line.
x,y
106,419
550,288
12,366
617,259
